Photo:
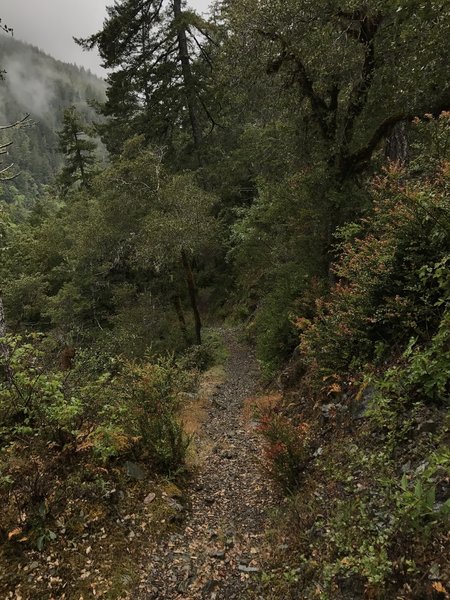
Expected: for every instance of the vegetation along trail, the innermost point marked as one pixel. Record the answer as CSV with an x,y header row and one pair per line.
x,y
217,552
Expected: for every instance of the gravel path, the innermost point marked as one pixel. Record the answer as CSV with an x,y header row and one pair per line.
x,y
217,552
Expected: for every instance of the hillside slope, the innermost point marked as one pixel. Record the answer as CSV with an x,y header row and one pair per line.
x,y
37,84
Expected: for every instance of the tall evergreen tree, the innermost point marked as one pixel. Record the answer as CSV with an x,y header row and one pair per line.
x,y
78,149
156,87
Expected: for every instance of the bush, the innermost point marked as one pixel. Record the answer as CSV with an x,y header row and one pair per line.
x,y
374,506
279,245
147,405
201,357
34,398
58,426
288,450
392,278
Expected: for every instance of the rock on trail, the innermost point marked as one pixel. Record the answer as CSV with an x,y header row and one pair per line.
x,y
217,552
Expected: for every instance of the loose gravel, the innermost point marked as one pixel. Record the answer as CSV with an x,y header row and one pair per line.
x,y
217,554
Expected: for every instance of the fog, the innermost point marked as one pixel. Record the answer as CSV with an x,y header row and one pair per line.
x,y
30,89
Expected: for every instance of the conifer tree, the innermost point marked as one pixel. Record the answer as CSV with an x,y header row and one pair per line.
x,y
155,88
78,149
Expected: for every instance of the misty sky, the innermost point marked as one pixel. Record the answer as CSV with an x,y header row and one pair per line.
x,y
50,25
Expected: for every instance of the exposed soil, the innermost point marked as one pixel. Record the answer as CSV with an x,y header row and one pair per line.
x,y
217,552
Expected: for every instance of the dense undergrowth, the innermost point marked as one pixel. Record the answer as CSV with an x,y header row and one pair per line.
x,y
79,447
362,447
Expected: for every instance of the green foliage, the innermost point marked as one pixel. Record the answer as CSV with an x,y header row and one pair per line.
x,y
110,265
47,416
33,399
152,88
393,284
78,150
373,508
416,498
273,256
180,220
304,95
148,404
365,531
201,357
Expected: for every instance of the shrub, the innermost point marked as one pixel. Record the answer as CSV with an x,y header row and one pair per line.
x,y
56,426
34,398
392,278
288,449
201,357
149,400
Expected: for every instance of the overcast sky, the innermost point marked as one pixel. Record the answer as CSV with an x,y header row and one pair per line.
x,y
50,25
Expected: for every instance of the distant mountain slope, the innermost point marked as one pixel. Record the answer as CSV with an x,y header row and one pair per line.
x,y
37,84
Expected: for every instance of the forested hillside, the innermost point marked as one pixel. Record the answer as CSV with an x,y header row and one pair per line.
x,y
38,85
225,350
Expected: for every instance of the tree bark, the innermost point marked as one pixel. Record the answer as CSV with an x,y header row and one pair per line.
x,y
180,314
397,146
188,79
192,289
4,350
2,319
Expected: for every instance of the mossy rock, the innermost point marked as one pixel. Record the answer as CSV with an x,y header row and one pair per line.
x,y
173,491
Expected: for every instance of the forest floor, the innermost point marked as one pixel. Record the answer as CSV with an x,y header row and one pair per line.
x,y
205,537
218,550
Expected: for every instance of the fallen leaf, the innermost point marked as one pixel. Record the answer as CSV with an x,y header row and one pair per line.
x,y
438,587
14,533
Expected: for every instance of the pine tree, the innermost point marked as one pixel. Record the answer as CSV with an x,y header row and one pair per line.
x,y
155,89
78,149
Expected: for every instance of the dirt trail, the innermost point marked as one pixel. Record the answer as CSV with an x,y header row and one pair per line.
x,y
217,552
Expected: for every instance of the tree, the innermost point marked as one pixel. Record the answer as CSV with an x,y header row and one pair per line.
x,y
179,227
78,149
356,69
154,87
4,177
117,263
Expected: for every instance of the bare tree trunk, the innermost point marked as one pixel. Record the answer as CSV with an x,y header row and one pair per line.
x,y
2,319
180,314
397,144
4,350
188,79
193,296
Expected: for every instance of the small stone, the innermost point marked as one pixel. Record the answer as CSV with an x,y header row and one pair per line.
x,y
246,569
228,455
219,554
149,499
